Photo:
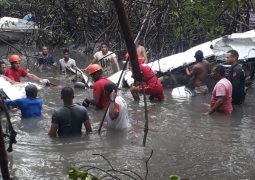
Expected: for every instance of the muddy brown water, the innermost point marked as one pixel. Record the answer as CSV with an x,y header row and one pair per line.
x,y
185,142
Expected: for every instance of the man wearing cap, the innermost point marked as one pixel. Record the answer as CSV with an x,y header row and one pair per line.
x,y
200,72
15,72
100,100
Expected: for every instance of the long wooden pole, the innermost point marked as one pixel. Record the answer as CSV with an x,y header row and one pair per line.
x,y
3,157
124,23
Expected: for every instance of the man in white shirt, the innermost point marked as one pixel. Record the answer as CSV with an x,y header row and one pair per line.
x,y
105,58
117,114
66,61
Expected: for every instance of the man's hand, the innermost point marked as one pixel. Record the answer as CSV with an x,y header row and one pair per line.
x,y
86,102
185,65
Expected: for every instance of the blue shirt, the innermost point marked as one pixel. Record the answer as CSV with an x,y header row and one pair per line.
x,y
29,107
48,59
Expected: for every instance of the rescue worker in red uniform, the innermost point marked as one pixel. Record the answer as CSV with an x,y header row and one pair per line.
x,y
152,85
100,100
15,72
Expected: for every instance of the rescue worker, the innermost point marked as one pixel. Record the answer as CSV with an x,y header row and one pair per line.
x,y
100,100
2,72
15,71
236,77
152,85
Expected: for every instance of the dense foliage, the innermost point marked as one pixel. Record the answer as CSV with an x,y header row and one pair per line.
x,y
164,26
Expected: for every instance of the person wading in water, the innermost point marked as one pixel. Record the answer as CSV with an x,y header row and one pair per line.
x,y
68,120
200,72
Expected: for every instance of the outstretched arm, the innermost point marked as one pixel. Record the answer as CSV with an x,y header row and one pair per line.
x,y
33,77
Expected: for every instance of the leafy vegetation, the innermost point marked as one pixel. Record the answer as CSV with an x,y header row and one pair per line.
x,y
164,26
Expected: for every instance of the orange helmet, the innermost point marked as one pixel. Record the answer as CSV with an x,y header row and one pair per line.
x,y
93,68
14,58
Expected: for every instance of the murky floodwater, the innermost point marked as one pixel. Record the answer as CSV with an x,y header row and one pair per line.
x,y
184,141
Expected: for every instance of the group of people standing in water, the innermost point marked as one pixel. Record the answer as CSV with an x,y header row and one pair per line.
x,y
228,91
68,120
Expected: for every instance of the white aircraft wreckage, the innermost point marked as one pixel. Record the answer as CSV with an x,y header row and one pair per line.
x,y
214,50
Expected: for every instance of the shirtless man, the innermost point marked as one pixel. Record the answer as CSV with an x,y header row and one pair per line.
x,y
200,72
141,52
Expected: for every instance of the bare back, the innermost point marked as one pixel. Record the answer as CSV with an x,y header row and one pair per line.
x,y
141,52
200,71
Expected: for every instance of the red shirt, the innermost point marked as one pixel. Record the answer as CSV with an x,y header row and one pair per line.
x,y
15,75
98,90
150,78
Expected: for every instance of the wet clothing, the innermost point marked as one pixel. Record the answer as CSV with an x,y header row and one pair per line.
x,y
63,64
98,90
121,122
15,75
223,88
30,107
70,119
237,79
152,85
105,62
45,59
